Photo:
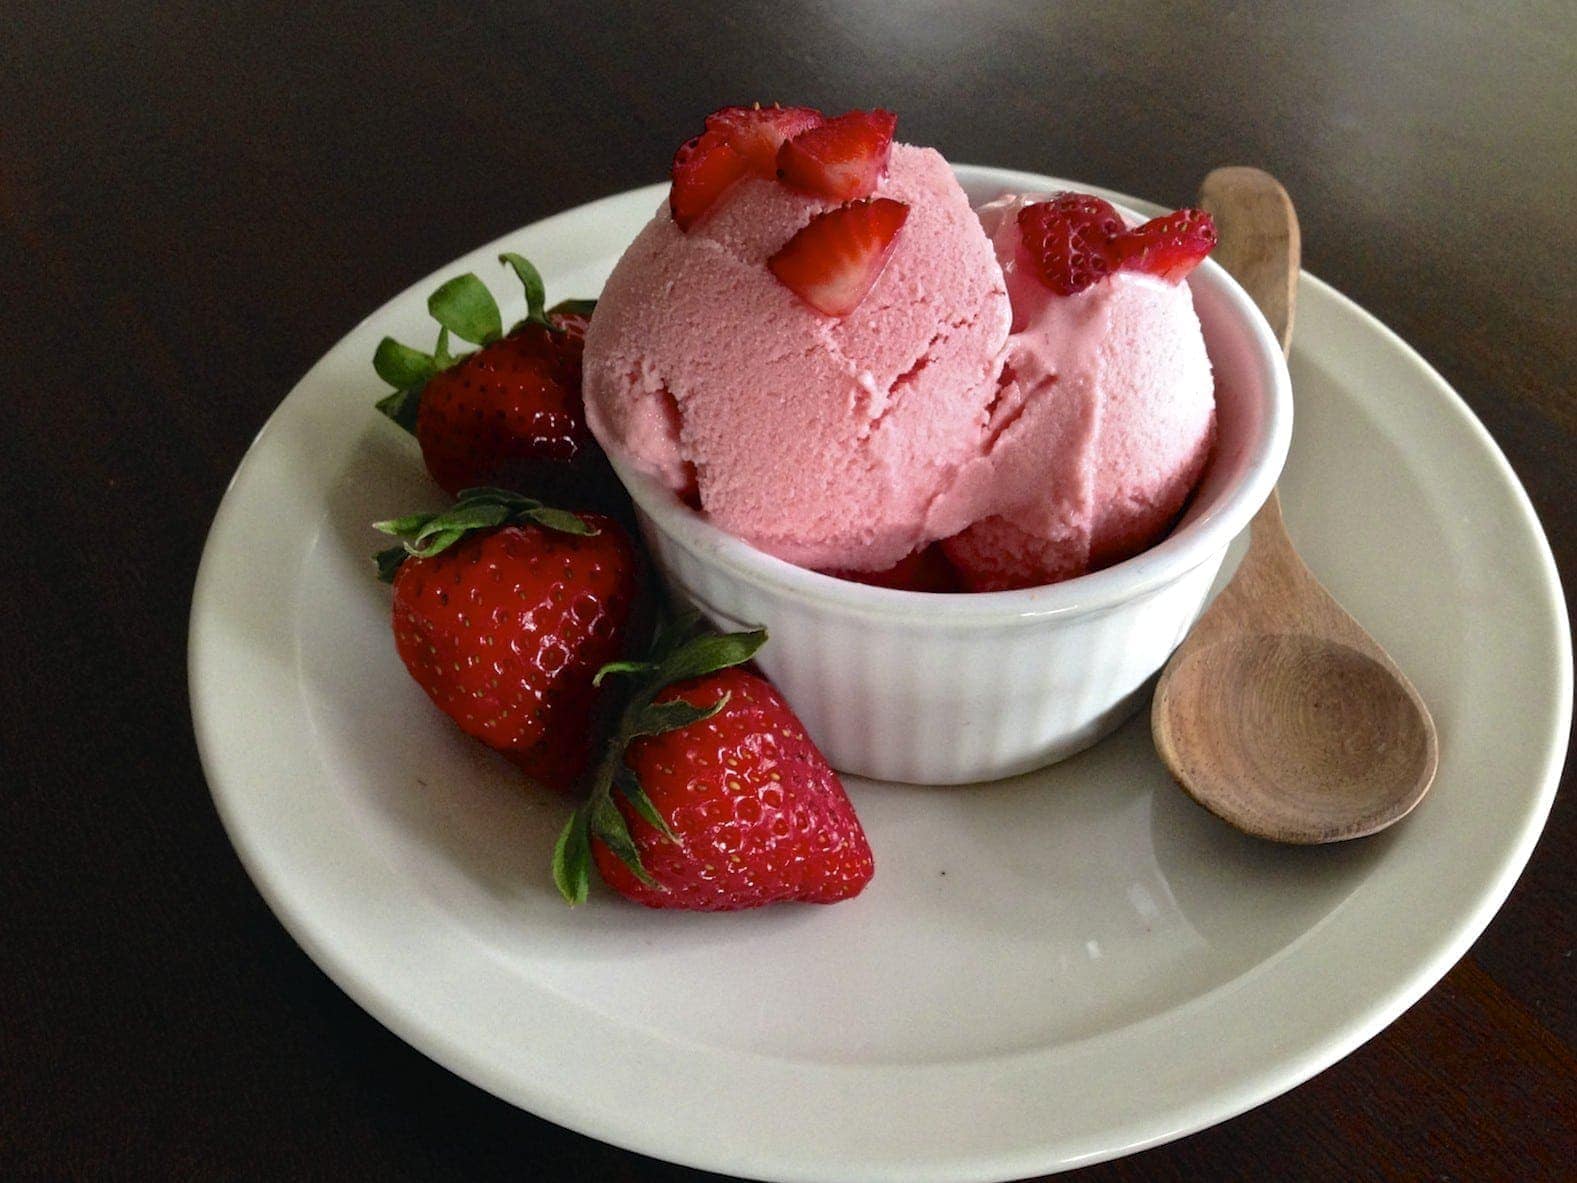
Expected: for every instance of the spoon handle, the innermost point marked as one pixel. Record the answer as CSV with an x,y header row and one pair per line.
x,y
1271,589
1261,245
1261,248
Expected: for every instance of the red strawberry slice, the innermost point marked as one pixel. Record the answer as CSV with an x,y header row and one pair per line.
x,y
1169,246
837,256
1069,240
843,158
703,170
756,133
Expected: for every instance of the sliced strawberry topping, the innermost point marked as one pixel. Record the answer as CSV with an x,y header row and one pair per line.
x,y
703,169
1169,246
756,133
833,261
1069,240
842,159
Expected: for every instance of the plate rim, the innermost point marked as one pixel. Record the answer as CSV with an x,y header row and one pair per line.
x,y
1250,1088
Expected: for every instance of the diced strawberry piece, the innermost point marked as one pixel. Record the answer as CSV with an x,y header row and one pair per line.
x,y
1169,246
756,133
837,256
1069,240
842,159
703,169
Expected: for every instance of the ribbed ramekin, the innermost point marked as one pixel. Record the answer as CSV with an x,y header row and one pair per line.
x,y
948,689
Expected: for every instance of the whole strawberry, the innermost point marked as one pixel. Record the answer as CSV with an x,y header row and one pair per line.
x,y
504,611
509,412
710,796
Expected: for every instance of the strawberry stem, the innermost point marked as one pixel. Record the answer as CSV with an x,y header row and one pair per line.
x,y
536,291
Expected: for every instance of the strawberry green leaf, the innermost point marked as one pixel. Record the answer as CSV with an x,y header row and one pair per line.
x,y
673,630
400,365
660,717
401,406
607,823
476,515
561,520
408,371
572,858
629,784
467,309
426,534
536,291
622,667
709,653
574,308
389,561
399,527
431,542
527,509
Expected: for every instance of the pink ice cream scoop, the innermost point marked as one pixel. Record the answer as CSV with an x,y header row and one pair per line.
x,y
824,440
960,399
1104,423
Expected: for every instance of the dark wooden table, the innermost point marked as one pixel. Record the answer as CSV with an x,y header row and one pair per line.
x,y
197,200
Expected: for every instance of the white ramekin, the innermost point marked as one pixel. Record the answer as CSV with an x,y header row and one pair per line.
x,y
947,689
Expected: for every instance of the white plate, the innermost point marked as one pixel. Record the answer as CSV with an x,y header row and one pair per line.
x,y
1045,972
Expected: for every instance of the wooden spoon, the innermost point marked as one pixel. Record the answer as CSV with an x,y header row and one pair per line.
x,y
1279,714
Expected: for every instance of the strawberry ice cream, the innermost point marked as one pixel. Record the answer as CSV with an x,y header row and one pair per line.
x,y
822,440
1102,430
822,346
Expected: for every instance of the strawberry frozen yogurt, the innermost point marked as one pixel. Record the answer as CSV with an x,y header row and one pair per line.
x,y
841,363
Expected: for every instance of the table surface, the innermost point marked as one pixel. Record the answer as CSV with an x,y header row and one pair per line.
x,y
197,200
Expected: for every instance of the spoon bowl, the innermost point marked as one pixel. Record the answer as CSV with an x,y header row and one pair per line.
x,y
1279,713
1328,725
